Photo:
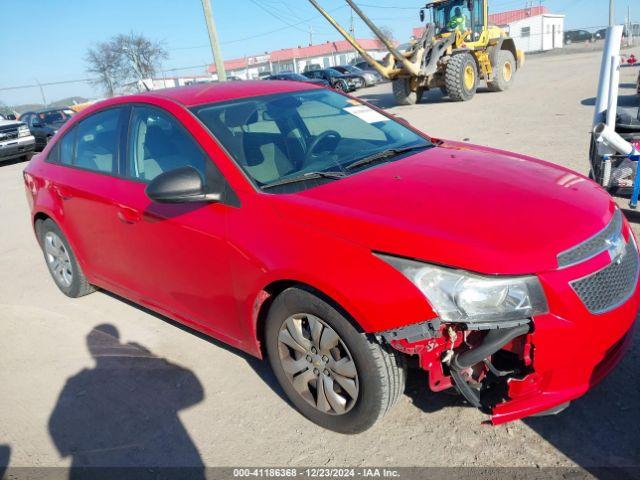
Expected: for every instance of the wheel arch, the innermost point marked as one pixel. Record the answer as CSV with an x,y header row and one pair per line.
x,y
508,44
40,216
266,296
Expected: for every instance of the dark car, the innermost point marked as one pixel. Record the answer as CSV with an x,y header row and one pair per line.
x,y
370,78
45,123
296,77
602,34
571,36
337,80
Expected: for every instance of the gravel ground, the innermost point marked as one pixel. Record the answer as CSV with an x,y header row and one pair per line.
x,y
195,401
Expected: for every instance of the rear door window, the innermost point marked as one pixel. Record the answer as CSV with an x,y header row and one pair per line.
x,y
97,140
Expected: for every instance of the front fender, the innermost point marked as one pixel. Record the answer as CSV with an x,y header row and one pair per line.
x,y
269,248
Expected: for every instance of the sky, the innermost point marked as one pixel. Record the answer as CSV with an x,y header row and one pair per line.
x,y
46,40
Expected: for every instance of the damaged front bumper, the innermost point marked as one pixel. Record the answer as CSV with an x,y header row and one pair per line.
x,y
533,367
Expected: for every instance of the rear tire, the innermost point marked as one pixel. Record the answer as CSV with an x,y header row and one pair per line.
x,y
378,373
403,94
461,77
504,71
61,261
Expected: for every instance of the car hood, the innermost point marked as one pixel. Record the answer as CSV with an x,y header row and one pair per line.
x,y
8,123
469,207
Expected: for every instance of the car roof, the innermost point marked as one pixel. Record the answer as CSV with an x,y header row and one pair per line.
x,y
201,94
51,109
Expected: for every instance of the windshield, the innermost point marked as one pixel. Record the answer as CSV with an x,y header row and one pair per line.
x,y
450,16
295,76
333,72
55,116
286,135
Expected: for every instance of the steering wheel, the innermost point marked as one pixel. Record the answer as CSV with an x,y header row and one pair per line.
x,y
319,139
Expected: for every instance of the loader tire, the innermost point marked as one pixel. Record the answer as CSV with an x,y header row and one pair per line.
x,y
403,93
461,77
504,71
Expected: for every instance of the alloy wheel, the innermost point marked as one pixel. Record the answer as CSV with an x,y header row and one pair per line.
x,y
58,259
318,364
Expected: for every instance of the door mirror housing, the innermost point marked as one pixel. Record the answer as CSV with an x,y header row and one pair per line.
x,y
182,185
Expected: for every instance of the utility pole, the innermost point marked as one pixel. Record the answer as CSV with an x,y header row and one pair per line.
x,y
310,35
213,38
44,99
612,9
352,29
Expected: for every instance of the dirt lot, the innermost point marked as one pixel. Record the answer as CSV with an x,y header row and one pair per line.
x,y
197,402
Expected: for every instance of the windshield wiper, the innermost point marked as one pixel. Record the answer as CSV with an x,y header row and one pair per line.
x,y
384,155
304,177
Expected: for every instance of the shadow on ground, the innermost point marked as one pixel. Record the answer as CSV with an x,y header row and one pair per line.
x,y
601,429
7,163
387,100
5,454
623,101
261,367
121,417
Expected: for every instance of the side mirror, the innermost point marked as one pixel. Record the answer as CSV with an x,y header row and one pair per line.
x,y
182,185
422,15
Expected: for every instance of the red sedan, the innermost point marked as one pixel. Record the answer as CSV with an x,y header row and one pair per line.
x,y
305,226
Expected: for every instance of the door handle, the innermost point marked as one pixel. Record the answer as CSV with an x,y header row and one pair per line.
x,y
128,215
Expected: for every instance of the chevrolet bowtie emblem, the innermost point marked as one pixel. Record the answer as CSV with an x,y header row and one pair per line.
x,y
616,248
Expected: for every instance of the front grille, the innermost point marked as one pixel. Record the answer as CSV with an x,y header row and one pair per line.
x,y
608,288
8,133
592,246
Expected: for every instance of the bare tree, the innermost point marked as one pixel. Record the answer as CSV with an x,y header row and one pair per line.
x,y
104,62
141,56
124,59
386,31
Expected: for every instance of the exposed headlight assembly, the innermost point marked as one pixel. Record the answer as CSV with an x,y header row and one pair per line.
x,y
460,296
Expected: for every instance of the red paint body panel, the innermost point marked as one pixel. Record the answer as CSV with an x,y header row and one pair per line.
x,y
470,207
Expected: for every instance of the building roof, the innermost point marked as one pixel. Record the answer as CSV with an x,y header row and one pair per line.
x,y
310,51
511,16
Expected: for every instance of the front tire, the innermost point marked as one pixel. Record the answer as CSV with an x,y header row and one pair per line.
x,y
61,261
504,71
403,93
334,375
461,77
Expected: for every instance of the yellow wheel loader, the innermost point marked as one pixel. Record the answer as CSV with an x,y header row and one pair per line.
x,y
457,50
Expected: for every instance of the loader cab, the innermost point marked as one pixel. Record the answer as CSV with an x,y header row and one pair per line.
x,y
446,15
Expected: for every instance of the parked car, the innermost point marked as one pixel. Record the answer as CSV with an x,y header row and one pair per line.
x,y
310,67
45,123
572,36
15,139
337,80
296,77
602,33
310,228
369,78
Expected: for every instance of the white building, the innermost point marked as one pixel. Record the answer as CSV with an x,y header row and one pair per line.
x,y
533,29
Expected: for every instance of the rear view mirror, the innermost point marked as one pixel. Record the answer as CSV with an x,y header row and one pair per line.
x,y
182,185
